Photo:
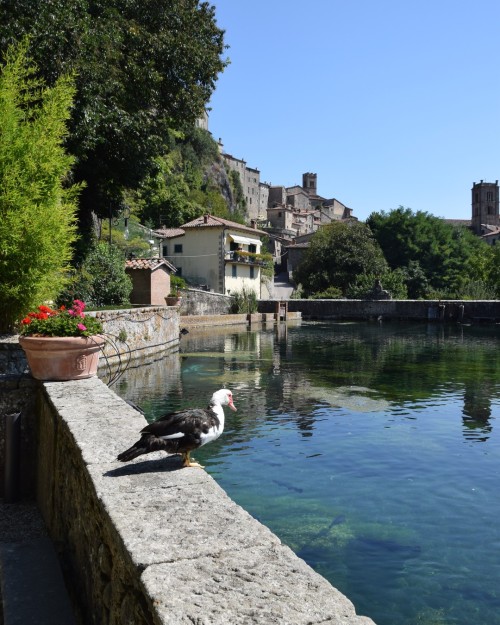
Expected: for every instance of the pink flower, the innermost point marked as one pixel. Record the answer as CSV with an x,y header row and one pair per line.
x,y
81,327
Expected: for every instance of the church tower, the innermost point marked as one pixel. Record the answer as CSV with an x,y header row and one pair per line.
x,y
309,183
485,205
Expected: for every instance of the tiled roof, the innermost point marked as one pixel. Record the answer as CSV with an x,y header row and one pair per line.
x,y
169,233
209,221
148,263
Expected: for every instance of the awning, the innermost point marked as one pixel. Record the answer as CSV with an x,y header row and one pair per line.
x,y
244,240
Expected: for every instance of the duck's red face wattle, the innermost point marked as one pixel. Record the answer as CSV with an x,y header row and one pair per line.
x,y
230,402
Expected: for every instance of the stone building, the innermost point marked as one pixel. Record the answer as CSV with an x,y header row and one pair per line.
x,y
218,254
150,280
256,194
485,207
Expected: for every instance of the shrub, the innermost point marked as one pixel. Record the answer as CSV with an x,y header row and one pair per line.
x,y
244,301
101,279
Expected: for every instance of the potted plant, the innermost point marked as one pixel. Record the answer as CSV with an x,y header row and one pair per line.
x,y
62,343
174,298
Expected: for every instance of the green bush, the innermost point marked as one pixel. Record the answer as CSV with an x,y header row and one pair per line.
x,y
101,279
332,292
176,284
37,207
244,301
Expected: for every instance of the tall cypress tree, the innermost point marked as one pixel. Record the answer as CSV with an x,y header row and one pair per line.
x,y
37,208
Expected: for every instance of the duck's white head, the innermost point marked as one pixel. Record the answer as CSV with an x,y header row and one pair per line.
x,y
223,397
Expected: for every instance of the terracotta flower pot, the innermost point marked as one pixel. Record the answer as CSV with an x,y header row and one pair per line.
x,y
62,358
173,300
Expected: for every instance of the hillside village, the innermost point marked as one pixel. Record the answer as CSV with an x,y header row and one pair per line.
x,y
224,256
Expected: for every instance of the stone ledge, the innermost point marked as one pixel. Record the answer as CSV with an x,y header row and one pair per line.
x,y
151,543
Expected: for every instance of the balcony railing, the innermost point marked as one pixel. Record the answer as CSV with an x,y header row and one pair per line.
x,y
248,258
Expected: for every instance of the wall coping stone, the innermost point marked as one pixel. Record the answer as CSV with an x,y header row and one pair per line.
x,y
193,554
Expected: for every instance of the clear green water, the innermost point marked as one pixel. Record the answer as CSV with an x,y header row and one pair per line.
x,y
371,450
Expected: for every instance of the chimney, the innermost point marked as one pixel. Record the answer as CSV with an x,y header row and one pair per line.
x,y
253,224
205,218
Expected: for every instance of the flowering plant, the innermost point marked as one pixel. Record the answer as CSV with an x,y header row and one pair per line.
x,y
60,322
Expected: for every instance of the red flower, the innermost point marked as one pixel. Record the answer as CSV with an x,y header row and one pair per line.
x,y
26,321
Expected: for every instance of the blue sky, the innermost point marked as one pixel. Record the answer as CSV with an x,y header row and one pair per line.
x,y
390,102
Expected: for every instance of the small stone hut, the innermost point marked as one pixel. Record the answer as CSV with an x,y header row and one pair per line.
x,y
150,280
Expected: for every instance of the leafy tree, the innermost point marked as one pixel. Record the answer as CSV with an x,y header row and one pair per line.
x,y
142,67
37,210
101,279
337,254
187,182
438,256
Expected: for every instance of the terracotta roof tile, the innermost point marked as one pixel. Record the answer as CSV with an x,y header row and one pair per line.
x,y
169,233
209,221
148,263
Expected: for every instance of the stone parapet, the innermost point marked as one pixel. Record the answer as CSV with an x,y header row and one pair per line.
x,y
150,543
462,311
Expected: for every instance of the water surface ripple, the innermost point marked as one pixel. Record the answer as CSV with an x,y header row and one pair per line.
x,y
372,450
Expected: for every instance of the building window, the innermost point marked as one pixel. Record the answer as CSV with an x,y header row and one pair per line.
x,y
252,248
233,271
165,250
489,196
179,271
178,248
490,210
252,272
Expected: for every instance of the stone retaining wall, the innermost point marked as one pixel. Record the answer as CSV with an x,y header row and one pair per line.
x,y
149,543
464,311
198,302
139,333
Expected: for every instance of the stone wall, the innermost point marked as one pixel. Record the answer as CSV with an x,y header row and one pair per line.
x,y
135,336
463,311
198,302
139,333
149,543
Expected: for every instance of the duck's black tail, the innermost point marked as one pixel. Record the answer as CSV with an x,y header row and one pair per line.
x,y
133,452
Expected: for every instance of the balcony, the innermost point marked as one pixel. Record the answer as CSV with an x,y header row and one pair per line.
x,y
245,258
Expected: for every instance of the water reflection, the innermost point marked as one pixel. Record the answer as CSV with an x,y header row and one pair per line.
x,y
355,367
349,443
477,412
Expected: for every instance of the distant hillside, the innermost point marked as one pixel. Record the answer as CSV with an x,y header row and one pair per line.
x,y
191,179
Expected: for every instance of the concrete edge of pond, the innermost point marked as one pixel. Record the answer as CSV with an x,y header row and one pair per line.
x,y
149,542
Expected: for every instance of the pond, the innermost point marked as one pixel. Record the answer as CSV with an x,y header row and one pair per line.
x,y
370,449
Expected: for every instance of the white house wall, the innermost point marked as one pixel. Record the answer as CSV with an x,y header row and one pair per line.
x,y
200,258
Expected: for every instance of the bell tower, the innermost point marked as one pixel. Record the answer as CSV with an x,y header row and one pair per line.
x,y
309,183
485,205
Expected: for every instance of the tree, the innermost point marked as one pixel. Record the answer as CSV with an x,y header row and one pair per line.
x,y
439,258
101,279
338,253
37,208
141,66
